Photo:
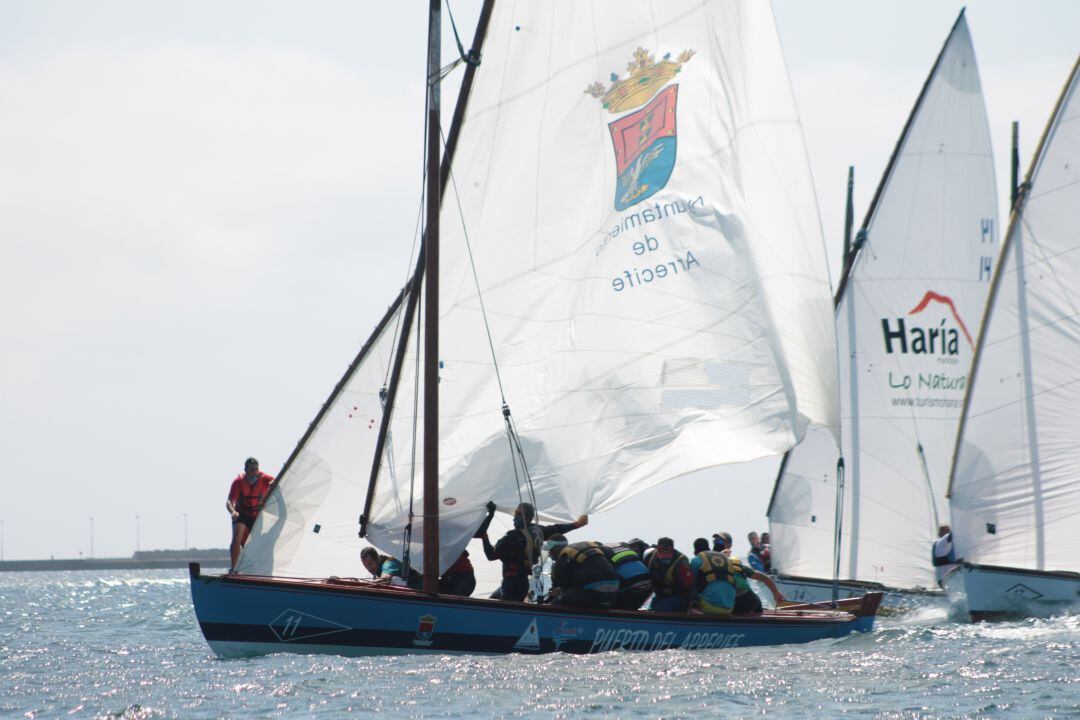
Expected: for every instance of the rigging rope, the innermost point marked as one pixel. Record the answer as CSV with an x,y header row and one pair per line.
x,y
471,57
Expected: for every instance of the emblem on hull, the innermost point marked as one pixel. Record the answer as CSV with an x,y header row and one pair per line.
x,y
565,633
425,630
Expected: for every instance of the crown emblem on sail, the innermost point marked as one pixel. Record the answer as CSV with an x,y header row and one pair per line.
x,y
644,139
646,77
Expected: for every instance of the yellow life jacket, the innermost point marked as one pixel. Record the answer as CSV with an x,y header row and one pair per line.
x,y
581,551
717,566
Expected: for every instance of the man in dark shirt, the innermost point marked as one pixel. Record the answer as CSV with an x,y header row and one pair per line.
x,y
519,550
673,582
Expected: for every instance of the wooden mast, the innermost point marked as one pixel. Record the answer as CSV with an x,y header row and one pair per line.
x,y
456,122
431,306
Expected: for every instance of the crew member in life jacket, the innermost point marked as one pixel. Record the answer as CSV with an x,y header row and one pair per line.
x,y
755,558
245,495
672,579
519,550
944,555
581,574
635,581
722,584
389,570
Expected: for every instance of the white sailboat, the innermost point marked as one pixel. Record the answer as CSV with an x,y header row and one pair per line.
x,y
632,286
1014,488
907,312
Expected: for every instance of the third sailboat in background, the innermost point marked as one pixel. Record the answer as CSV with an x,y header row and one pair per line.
x,y
908,305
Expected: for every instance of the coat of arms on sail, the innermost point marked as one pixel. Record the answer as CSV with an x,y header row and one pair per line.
x,y
645,138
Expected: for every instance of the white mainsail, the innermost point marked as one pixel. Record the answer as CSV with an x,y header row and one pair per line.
x,y
905,323
1015,490
634,185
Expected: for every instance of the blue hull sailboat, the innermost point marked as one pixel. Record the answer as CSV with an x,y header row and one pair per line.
x,y
625,250
244,615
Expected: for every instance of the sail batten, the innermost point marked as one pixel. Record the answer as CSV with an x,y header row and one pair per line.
x,y
904,315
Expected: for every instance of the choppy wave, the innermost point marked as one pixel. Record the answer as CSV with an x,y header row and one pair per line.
x,y
126,645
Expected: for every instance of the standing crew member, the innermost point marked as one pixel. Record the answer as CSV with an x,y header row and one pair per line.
x,y
581,574
245,494
672,580
944,555
519,550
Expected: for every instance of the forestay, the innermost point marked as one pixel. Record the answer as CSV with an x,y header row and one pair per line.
x,y
906,324
633,181
1015,491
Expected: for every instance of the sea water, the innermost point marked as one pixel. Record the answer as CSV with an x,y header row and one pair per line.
x,y
126,644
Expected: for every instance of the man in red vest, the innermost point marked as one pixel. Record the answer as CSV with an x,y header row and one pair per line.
x,y
245,495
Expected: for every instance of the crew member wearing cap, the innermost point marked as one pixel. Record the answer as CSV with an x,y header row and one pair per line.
x,y
672,580
245,495
581,574
722,584
519,550
722,542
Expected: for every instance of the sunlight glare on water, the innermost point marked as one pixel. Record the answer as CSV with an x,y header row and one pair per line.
x,y
126,644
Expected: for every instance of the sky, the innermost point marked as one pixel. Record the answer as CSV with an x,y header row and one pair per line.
x,y
206,207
